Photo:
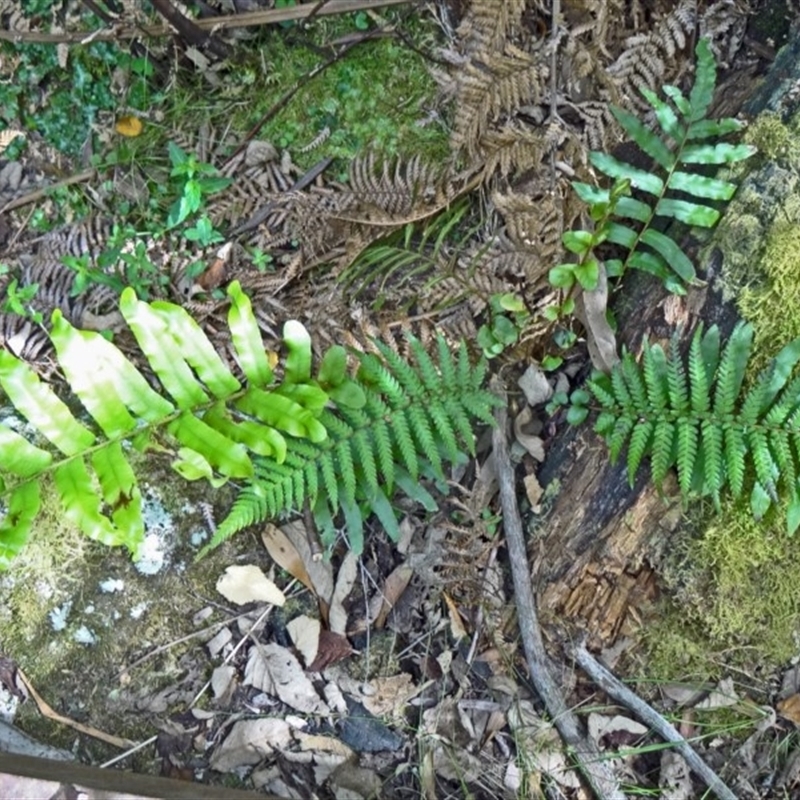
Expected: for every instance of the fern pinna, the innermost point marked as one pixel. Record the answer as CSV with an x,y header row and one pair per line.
x,y
693,414
341,442
688,138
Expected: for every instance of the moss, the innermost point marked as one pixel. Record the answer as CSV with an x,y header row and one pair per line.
x,y
775,140
734,600
778,289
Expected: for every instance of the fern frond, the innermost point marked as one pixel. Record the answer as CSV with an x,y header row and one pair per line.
x,y
336,442
684,140
713,433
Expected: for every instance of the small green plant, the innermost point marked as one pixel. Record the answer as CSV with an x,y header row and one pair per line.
x,y
193,181
508,316
337,442
694,415
688,138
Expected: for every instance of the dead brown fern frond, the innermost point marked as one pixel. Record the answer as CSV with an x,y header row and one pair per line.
x,y
513,148
645,59
488,24
497,84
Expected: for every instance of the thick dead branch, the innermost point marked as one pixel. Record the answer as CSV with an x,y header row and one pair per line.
x,y
590,760
252,19
606,681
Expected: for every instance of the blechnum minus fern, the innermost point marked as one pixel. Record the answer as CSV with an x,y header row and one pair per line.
x,y
693,414
670,190
340,442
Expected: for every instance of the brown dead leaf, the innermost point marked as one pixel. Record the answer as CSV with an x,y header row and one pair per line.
x,y
249,741
332,647
790,708
246,583
590,308
457,628
524,422
285,554
389,696
533,490
293,537
217,272
393,587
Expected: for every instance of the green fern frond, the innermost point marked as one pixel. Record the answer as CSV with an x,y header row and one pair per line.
x,y
686,138
411,417
715,435
337,442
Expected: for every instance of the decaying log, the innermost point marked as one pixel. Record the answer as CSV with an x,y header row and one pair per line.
x,y
593,556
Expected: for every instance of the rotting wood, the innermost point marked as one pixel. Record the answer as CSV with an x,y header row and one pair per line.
x,y
594,555
26,776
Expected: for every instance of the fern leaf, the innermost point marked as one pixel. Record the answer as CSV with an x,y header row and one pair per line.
x,y
735,452
688,441
22,507
640,442
645,138
38,403
711,444
702,92
676,380
699,382
663,458
655,375
619,436
730,373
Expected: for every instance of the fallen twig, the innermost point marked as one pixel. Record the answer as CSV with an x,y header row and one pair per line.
x,y
606,681
251,19
589,759
38,194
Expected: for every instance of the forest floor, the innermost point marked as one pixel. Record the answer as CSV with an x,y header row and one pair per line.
x,y
399,672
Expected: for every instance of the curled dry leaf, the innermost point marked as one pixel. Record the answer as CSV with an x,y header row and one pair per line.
x,y
790,708
249,741
305,633
282,551
344,583
393,588
535,386
248,584
332,647
523,423
275,670
590,308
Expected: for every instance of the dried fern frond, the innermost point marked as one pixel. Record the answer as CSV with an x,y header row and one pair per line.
x,y
496,84
489,23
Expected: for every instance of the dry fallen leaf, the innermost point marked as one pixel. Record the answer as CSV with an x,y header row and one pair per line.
x,y
790,708
283,552
275,670
332,647
249,741
457,628
530,441
305,632
348,572
590,308
248,584
393,588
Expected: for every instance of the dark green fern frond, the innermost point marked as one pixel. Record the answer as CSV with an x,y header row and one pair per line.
x,y
715,435
415,415
672,190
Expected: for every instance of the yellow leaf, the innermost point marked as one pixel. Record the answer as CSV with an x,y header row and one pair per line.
x,y
128,126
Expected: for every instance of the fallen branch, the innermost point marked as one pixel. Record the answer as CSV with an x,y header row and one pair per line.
x,y
250,19
38,194
588,757
606,681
